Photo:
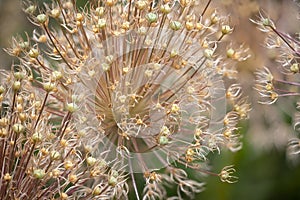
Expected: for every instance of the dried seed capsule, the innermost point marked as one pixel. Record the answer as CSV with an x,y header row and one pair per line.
x,y
39,173
42,18
151,17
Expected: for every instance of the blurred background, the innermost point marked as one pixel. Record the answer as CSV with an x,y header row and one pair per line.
x,y
265,171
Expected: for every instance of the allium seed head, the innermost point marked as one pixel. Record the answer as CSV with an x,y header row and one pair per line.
x,y
119,88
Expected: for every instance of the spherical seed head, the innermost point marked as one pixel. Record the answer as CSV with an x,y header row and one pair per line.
x,y
39,173
116,19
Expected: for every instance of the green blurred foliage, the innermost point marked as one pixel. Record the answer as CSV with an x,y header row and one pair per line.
x,y
263,175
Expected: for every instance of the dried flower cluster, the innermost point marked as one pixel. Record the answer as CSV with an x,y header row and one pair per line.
x,y
286,48
117,88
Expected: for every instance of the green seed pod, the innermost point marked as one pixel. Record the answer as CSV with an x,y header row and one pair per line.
x,y
266,22
175,25
41,18
48,87
54,155
226,29
112,181
36,137
71,107
24,45
230,53
19,75
18,128
30,9
39,173
16,86
97,190
151,17
91,161
33,53
163,140
165,9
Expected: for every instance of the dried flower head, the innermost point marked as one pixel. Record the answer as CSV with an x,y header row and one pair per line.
x,y
286,50
124,87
